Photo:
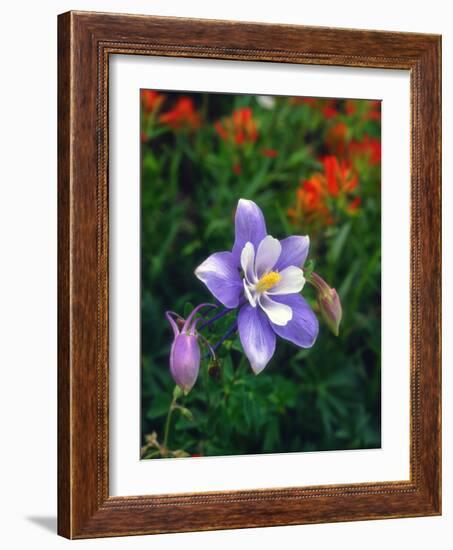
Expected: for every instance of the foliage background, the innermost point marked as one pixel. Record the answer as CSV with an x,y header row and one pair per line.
x,y
200,154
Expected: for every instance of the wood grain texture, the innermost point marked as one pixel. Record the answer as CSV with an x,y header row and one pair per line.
x,y
86,40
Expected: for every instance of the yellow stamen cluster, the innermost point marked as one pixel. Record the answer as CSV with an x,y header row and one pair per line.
x,y
268,281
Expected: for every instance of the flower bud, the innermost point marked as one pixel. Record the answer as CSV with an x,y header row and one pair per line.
x,y
329,303
185,361
185,351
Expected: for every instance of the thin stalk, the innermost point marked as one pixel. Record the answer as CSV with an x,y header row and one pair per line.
x,y
227,334
221,314
215,318
168,422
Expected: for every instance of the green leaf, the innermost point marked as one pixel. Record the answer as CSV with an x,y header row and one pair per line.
x,y
191,247
271,435
227,368
159,406
338,244
217,225
297,158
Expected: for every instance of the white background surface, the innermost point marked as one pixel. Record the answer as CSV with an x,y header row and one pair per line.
x,y
130,476
28,275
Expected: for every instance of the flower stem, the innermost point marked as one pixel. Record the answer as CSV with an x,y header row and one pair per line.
x,y
227,334
219,315
171,408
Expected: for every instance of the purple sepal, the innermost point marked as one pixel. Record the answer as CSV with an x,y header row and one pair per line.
x,y
257,337
294,252
249,227
303,328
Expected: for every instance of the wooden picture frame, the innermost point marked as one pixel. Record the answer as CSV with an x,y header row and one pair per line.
x,y
85,42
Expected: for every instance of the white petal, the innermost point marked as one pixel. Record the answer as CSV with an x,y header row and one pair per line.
x,y
279,314
267,255
248,262
292,281
251,296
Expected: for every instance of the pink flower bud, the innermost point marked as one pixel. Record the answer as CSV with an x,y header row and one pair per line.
x,y
329,303
185,361
185,351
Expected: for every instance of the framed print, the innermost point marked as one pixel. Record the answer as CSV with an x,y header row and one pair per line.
x,y
249,275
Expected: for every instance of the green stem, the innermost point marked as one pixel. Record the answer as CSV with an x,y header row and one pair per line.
x,y
168,422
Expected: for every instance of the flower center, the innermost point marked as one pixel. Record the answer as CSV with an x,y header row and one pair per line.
x,y
268,281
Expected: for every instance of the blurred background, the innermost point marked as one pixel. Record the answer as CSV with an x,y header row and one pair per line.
x,y
313,167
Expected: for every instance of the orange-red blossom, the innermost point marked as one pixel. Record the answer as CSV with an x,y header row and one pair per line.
x,y
182,116
151,100
369,148
239,128
315,195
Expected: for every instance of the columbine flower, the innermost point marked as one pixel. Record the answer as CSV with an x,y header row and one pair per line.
x,y
266,290
185,350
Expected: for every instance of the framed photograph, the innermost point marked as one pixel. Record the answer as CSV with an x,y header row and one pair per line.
x,y
249,275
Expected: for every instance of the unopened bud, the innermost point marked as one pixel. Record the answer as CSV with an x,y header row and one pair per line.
x,y
329,303
185,361
185,351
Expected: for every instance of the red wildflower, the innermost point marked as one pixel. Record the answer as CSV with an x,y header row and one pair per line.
x,y
240,128
310,201
336,138
329,112
354,204
151,100
374,115
330,169
239,137
340,176
301,100
237,169
375,111
183,115
221,130
369,147
315,196
311,192
313,101
351,106
270,153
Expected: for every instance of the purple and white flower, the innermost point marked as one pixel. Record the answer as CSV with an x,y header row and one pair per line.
x,y
263,277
